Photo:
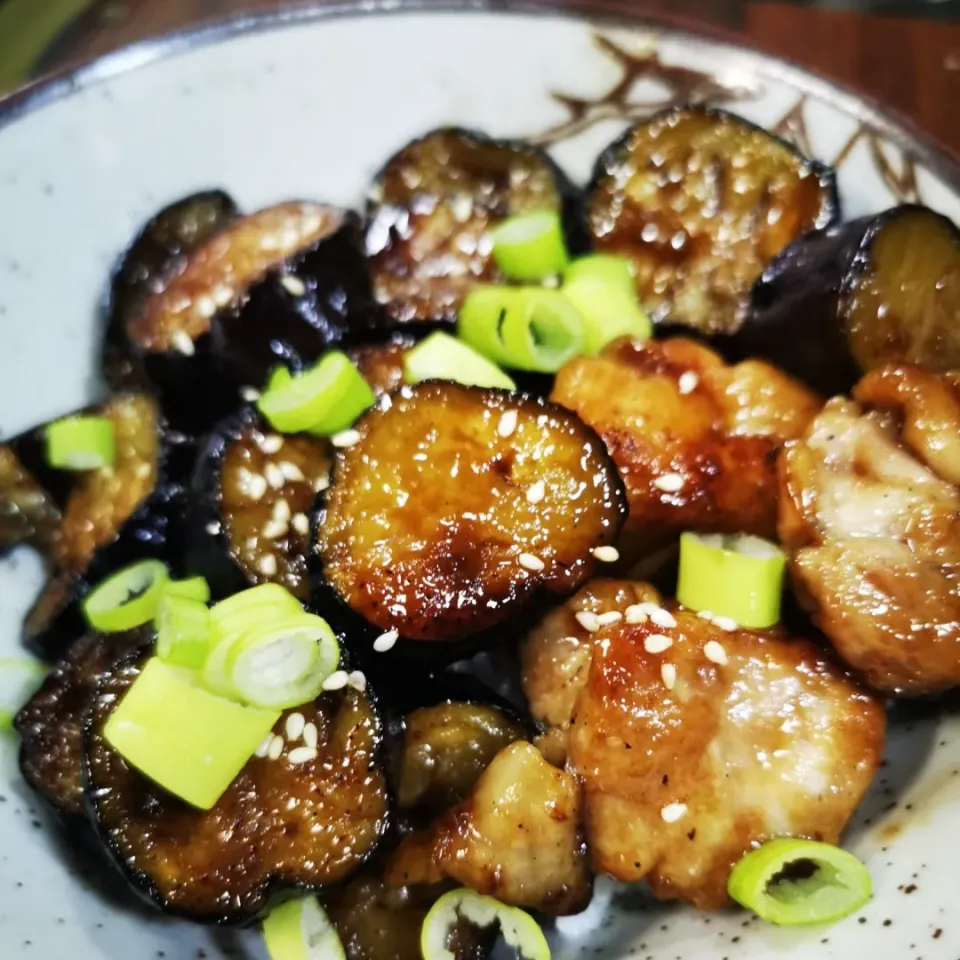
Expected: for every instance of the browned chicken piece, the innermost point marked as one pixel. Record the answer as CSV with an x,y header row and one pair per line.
x,y
694,744
869,516
517,837
694,439
555,656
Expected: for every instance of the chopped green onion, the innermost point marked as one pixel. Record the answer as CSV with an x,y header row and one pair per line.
x,y
530,246
301,930
279,376
442,357
607,268
19,679
736,576
251,607
190,742
518,929
81,443
127,599
793,882
526,328
608,311
325,399
193,588
183,631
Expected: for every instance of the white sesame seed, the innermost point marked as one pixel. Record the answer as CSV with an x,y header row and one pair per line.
x,y
294,726
143,470
536,492
357,680
336,681
222,295
268,565
290,470
612,616
301,755
273,529
321,484
589,621
385,641
271,443
529,562
657,643
662,618
256,486
346,438
293,285
669,482
269,242
249,394
264,746
301,523
672,812
275,748
213,528
281,510
508,423
183,343
726,623
311,736
706,615
635,614
274,477
714,652
606,554
687,383
205,307
288,237
668,674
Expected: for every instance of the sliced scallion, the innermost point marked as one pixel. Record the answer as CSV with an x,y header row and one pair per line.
x,y
81,443
19,679
183,631
253,606
442,357
608,311
193,588
530,246
518,929
792,882
189,741
325,399
128,598
607,268
301,930
736,576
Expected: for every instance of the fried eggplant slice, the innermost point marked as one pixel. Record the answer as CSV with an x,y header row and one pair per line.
x,y
430,527
155,258
279,824
252,493
868,515
700,201
28,514
517,837
694,439
693,755
842,301
382,363
51,722
445,750
555,656
431,210
280,285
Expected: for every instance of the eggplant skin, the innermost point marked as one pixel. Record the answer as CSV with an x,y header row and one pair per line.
x,y
701,200
28,514
468,550
432,204
853,297
223,866
154,258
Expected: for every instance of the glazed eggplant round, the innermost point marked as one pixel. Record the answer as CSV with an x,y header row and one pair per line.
x,y
840,302
252,494
154,260
278,824
28,513
277,286
700,201
457,506
430,211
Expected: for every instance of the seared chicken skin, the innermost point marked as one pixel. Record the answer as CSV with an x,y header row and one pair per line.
x,y
868,513
692,753
694,439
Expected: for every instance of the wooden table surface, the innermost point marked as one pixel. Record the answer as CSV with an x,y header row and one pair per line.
x,y
909,63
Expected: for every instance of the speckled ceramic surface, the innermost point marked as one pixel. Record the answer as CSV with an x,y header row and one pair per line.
x,y
272,109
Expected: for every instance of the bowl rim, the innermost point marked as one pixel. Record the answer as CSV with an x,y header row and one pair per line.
x,y
888,122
